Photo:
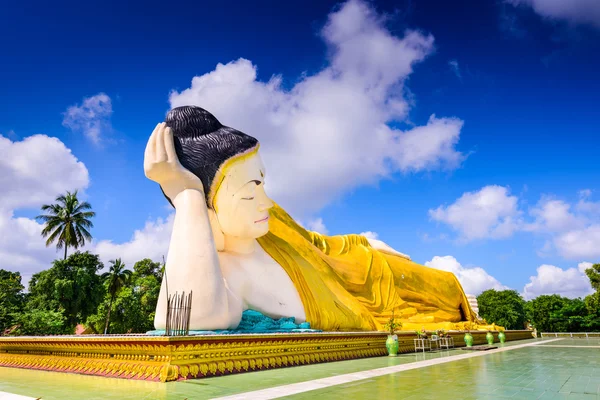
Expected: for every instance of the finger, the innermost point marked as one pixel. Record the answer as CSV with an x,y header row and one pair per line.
x,y
150,146
161,153
170,145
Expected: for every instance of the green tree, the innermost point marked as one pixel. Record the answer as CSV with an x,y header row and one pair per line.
x,y
544,310
117,278
133,308
148,277
504,307
11,298
72,287
592,319
592,303
40,322
594,274
67,222
571,317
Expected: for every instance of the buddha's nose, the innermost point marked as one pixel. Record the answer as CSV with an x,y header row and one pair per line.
x,y
265,202
264,206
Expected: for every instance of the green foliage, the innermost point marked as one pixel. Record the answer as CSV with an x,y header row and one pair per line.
x,y
11,298
393,325
570,317
133,307
117,277
542,310
553,313
40,322
505,308
71,287
592,319
422,334
592,303
71,291
547,313
67,222
593,274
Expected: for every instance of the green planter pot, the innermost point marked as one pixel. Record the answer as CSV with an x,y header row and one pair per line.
x,y
468,339
392,345
490,338
502,337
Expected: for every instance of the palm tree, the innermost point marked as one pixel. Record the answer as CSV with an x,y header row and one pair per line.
x,y
68,222
117,277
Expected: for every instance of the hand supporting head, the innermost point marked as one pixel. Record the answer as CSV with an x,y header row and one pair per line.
x,y
229,166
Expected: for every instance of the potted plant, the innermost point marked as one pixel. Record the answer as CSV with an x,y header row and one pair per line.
x,y
501,335
489,336
422,334
392,340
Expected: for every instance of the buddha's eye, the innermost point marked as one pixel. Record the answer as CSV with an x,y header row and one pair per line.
x,y
248,198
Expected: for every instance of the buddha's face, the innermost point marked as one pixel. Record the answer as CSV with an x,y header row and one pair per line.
x,y
241,204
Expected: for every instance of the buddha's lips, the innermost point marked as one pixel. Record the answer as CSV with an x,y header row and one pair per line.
x,y
262,220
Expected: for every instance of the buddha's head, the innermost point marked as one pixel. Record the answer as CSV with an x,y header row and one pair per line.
x,y
230,168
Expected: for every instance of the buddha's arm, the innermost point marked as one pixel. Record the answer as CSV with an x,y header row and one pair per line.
x,y
342,243
385,248
193,266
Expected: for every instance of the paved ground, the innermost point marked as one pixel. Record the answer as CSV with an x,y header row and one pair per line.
x,y
531,369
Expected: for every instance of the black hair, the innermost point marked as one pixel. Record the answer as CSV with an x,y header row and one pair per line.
x,y
203,144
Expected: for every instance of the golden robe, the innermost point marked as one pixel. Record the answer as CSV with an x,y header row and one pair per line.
x,y
345,284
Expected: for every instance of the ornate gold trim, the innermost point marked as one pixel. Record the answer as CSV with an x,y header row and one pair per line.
x,y
173,358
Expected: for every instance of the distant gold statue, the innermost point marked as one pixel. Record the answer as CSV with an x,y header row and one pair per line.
x,y
237,250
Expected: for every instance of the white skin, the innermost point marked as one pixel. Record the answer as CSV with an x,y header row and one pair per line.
x,y
214,254
241,276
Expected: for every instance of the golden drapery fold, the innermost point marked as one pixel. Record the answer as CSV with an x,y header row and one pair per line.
x,y
346,285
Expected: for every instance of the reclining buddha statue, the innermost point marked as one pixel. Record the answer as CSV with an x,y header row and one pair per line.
x,y
237,250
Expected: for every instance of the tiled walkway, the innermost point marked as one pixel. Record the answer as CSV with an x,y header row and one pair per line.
x,y
541,371
545,372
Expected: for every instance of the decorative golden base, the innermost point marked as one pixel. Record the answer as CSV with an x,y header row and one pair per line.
x,y
165,359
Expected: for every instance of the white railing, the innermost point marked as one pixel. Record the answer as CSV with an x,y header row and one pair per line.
x,y
573,335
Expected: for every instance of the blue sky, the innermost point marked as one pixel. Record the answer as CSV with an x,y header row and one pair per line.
x,y
511,186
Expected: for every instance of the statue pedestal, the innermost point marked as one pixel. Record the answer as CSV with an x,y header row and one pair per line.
x,y
160,358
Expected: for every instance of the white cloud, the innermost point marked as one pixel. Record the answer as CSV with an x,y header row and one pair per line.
x,y
473,280
317,225
583,266
579,243
92,117
455,68
571,283
370,235
491,213
585,194
581,239
36,170
585,205
488,213
32,172
331,130
552,215
11,135
430,146
150,242
575,11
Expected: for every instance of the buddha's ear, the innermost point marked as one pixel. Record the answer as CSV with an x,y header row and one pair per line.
x,y
218,235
